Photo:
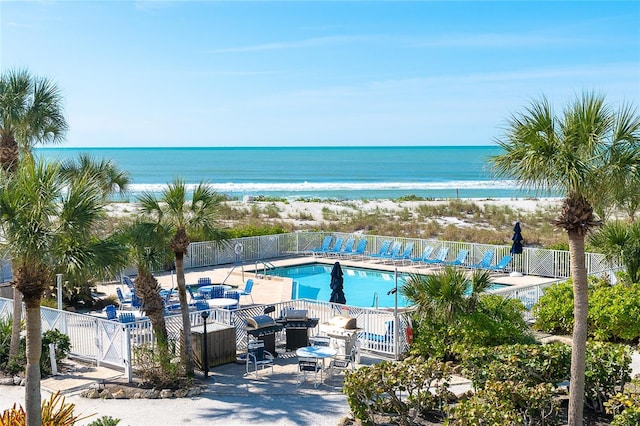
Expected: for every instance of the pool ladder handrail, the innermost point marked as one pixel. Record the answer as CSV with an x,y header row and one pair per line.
x,y
374,303
265,265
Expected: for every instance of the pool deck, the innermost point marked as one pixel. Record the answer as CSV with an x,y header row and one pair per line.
x,y
270,289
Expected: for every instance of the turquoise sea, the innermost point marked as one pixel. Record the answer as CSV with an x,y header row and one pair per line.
x,y
311,172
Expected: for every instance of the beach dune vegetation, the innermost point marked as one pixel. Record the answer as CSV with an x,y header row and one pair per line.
x,y
587,153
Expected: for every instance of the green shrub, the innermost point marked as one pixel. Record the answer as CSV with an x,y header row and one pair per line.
x,y
496,321
62,345
554,310
153,371
527,364
625,405
614,312
509,403
401,390
105,421
608,369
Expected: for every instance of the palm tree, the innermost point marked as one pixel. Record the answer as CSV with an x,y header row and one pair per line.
x,y
30,112
622,241
446,294
110,178
149,245
572,154
196,216
43,217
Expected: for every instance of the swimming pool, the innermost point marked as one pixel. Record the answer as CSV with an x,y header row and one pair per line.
x,y
361,286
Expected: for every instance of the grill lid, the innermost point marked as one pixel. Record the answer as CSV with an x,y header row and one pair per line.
x,y
296,314
260,321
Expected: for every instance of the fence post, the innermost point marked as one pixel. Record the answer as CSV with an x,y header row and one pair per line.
x,y
128,371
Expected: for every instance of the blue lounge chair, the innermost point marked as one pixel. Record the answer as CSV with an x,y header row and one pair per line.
x,y
485,262
405,255
326,243
384,249
426,254
440,258
360,249
337,246
348,248
248,286
502,265
394,251
460,258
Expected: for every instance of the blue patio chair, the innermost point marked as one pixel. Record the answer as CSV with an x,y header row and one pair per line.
x,y
136,302
258,357
204,281
232,294
502,265
201,305
217,292
248,286
111,312
426,254
128,282
393,252
384,249
123,301
127,318
485,262
324,247
194,296
460,258
440,258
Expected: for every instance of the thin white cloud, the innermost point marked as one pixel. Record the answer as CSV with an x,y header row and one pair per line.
x,y
309,42
498,40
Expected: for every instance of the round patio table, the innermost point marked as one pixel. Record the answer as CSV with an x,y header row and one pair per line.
x,y
320,352
221,302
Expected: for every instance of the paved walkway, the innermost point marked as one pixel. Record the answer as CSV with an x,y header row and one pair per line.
x,y
232,397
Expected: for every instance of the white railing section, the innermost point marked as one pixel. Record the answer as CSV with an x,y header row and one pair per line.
x,y
532,261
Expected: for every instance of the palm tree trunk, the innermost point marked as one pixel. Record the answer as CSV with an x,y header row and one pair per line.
x,y
14,346
32,397
187,345
148,289
580,311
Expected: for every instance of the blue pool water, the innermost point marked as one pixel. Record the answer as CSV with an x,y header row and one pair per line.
x,y
361,286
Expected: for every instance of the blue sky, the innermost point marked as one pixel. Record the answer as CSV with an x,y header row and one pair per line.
x,y
319,73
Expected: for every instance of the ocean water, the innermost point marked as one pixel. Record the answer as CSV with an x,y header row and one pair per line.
x,y
311,172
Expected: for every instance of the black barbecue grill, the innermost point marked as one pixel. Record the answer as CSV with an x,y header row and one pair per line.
x,y
264,328
296,325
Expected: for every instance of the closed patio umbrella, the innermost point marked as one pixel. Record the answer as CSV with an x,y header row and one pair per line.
x,y
516,247
337,288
